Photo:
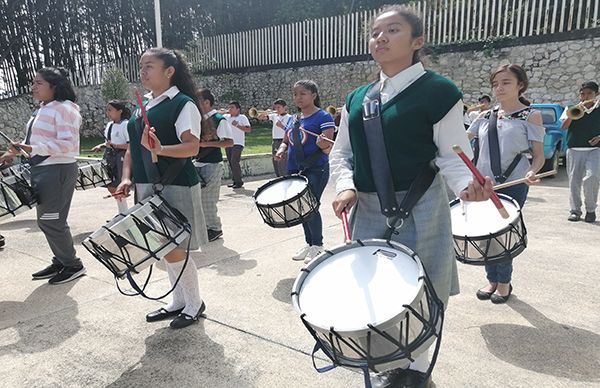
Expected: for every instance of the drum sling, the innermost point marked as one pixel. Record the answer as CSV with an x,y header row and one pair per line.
x,y
380,166
494,147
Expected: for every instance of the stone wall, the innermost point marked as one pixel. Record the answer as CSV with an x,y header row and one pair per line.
x,y
556,69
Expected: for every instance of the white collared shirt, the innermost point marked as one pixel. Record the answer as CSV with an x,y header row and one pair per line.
x,y
285,119
223,130
446,133
189,118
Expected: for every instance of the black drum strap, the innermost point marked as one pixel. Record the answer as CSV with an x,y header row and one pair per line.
x,y
494,146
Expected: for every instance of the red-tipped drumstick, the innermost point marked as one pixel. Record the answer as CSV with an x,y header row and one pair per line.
x,y
345,225
138,97
481,180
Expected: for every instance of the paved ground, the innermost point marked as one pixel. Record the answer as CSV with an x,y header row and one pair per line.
x,y
85,333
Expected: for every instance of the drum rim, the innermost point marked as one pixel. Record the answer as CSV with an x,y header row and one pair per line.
x,y
296,288
517,220
277,180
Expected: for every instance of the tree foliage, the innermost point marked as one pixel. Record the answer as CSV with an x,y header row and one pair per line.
x,y
115,85
79,33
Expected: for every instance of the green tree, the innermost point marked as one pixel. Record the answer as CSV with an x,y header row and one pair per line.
x,y
115,85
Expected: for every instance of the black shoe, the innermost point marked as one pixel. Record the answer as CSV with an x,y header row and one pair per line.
x,y
184,320
414,379
590,217
214,234
498,299
237,186
161,314
387,379
231,185
483,295
48,272
67,274
1,241
574,217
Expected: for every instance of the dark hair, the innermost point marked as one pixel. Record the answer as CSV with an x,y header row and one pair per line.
x,y
485,97
206,94
123,107
411,17
280,102
589,85
236,104
183,77
58,78
311,86
521,75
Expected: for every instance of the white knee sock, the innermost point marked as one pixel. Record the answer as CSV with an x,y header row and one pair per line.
x,y
122,205
421,363
189,285
178,301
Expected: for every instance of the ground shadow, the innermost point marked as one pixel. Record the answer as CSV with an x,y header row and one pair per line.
x,y
548,347
30,225
227,262
238,192
46,333
183,358
283,290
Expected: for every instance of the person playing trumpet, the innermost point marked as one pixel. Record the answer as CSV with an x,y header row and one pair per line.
x,y
474,111
583,152
281,120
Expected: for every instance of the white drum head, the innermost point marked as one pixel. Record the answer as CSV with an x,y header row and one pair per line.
x,y
481,218
281,191
359,286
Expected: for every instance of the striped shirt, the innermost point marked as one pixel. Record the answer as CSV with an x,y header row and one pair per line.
x,y
55,132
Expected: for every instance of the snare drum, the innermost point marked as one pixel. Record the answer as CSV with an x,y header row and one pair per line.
x,y
22,170
91,175
482,236
16,196
369,304
132,242
286,201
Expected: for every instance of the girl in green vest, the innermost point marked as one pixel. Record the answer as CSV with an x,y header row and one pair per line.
x,y
174,117
421,118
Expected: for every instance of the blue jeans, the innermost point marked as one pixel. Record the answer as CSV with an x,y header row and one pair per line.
x,y
317,180
501,273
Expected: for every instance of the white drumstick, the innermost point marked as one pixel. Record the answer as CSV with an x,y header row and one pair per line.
x,y
523,180
316,135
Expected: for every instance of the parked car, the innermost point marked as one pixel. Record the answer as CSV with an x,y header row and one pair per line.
x,y
555,140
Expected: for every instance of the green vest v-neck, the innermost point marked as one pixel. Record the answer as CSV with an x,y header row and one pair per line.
x,y
407,121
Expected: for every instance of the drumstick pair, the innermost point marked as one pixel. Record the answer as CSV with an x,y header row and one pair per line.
x,y
9,140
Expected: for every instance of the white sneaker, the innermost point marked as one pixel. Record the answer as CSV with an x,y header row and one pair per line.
x,y
301,254
314,251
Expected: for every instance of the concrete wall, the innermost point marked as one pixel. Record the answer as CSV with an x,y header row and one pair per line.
x,y
556,69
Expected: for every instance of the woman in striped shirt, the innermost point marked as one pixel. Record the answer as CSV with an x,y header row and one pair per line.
x,y
52,141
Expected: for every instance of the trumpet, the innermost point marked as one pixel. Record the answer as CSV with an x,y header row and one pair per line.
x,y
254,113
472,108
332,110
575,112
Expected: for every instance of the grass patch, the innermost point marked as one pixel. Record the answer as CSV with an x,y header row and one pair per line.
x,y
257,142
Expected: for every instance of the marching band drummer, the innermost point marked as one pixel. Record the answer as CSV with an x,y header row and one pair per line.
x,y
52,140
173,112
117,141
308,156
421,119
505,133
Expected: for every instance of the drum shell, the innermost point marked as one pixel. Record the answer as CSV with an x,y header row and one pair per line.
x,y
91,175
493,248
122,236
288,212
384,354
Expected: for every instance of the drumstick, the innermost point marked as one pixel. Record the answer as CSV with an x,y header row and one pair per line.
x,y
8,139
346,228
523,180
138,97
481,180
317,135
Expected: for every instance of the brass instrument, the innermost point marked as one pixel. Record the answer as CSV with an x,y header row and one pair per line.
x,y
472,108
254,113
332,110
575,112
